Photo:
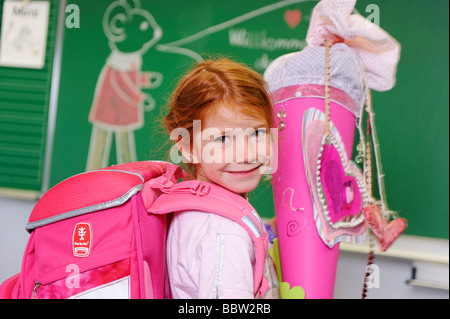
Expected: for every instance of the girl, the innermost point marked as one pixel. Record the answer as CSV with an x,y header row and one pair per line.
x,y
225,108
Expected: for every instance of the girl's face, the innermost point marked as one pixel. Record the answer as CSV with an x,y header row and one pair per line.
x,y
232,149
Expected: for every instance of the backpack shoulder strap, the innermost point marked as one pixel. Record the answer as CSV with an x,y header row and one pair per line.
x,y
209,197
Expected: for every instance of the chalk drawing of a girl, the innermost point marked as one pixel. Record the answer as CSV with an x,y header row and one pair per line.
x,y
119,103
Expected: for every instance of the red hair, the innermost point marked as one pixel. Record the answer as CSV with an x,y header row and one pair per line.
x,y
214,82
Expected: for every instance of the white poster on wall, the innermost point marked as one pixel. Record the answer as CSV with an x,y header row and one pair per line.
x,y
24,34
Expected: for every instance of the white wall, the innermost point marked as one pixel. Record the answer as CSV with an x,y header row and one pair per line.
x,y
394,274
14,215
395,268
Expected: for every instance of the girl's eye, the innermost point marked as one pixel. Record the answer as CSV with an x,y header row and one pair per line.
x,y
259,132
222,139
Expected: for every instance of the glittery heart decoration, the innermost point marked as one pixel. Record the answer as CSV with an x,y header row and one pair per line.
x,y
341,191
338,188
386,232
313,132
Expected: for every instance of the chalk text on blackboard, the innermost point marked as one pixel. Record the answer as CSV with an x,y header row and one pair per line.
x,y
241,37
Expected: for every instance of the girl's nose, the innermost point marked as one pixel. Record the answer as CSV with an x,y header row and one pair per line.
x,y
245,151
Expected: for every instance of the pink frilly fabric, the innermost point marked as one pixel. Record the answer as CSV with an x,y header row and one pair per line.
x,y
380,53
363,56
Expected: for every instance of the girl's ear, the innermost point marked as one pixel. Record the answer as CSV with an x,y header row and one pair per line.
x,y
184,146
183,143
184,150
182,140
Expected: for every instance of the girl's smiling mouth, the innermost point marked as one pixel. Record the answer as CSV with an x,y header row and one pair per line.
x,y
244,173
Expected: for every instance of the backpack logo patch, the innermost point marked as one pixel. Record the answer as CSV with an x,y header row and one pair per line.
x,y
82,240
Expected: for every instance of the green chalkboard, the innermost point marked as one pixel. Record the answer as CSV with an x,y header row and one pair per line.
x,y
25,95
412,118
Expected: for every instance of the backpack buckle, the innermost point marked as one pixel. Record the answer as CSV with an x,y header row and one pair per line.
x,y
162,183
193,187
200,189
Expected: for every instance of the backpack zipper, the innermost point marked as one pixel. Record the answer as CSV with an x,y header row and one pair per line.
x,y
34,294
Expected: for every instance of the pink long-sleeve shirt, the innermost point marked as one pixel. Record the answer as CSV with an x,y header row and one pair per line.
x,y
209,256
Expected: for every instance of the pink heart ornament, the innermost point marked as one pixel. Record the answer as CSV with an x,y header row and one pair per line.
x,y
313,131
385,232
338,187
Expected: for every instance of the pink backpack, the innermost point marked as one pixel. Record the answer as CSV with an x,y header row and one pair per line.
x,y
102,234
